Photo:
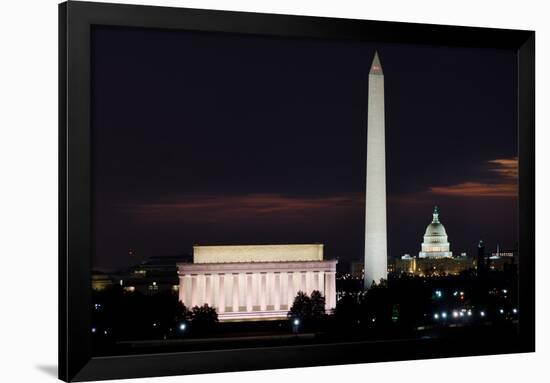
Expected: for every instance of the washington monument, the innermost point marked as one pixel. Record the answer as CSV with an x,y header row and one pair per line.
x,y
376,252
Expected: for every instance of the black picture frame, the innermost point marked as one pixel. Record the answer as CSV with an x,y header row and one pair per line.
x,y
75,189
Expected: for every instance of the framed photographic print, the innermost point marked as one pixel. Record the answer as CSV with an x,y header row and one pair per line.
x,y
248,191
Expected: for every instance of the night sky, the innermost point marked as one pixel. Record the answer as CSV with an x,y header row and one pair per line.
x,y
205,138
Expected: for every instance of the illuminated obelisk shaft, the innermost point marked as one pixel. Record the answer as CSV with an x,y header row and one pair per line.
x,y
376,253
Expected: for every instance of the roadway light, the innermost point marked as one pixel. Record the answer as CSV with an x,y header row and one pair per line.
x,y
93,330
515,311
505,291
182,327
455,314
482,313
436,316
296,322
501,311
443,315
469,313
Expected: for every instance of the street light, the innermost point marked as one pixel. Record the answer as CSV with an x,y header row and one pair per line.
x,y
182,327
295,324
436,316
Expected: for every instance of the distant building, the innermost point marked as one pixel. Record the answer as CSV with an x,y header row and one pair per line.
x,y
156,274
434,266
100,281
436,244
435,257
358,269
255,282
480,260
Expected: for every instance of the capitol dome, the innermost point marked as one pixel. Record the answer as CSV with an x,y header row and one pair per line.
x,y
436,244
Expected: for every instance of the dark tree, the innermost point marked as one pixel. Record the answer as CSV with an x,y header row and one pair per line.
x,y
317,304
204,317
301,307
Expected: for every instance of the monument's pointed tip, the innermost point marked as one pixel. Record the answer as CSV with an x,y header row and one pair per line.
x,y
376,67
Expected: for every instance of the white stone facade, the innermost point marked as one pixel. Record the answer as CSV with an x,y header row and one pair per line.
x,y
255,290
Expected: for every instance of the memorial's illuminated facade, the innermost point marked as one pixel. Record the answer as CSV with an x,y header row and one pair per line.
x,y
255,281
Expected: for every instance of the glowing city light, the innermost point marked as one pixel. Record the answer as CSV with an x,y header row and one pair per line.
x,y
436,316
443,315
501,311
482,313
182,327
296,322
93,330
455,314
515,311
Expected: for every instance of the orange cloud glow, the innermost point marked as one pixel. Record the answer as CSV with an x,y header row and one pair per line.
x,y
507,168
505,186
477,189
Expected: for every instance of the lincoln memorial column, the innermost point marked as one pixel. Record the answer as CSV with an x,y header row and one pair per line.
x,y
309,282
255,290
215,282
316,281
235,292
277,292
181,289
208,289
242,290
248,292
221,295
291,291
330,290
270,283
194,290
263,291
284,288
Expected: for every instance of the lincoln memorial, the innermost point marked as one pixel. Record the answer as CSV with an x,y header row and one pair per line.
x,y
255,281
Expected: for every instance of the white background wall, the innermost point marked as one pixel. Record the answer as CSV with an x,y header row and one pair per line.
x,y
28,187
